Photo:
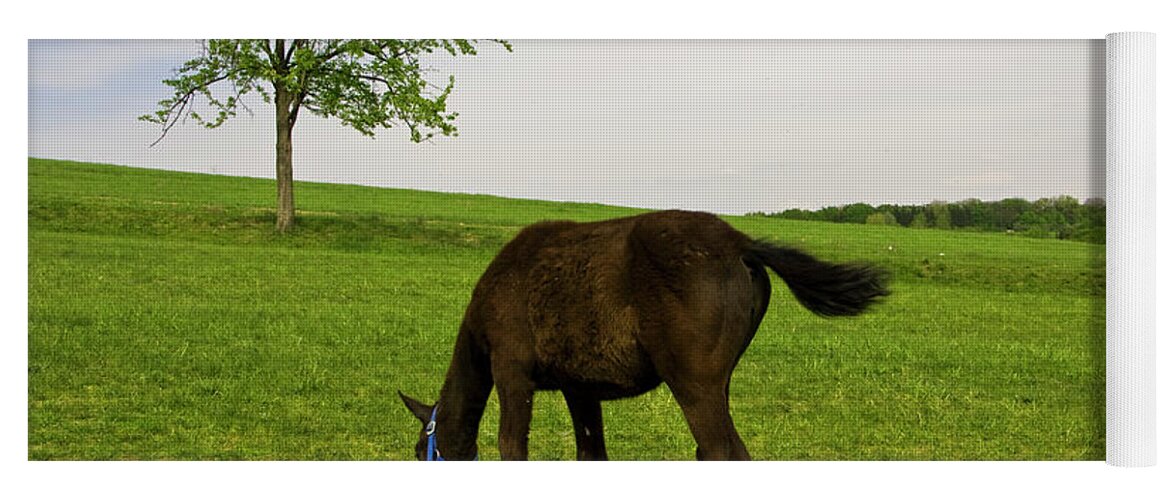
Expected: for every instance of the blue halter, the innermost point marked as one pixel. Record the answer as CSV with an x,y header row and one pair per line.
x,y
432,448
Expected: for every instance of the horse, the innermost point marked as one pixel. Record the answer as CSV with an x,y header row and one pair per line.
x,y
611,309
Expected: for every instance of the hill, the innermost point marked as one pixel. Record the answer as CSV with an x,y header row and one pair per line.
x,y
168,321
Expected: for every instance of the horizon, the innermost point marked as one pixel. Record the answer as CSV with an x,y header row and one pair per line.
x,y
1081,201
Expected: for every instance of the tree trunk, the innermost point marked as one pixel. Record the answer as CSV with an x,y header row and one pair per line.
x,y
284,160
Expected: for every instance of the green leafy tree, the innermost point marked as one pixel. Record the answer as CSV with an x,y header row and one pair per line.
x,y
1091,225
856,213
1008,210
366,84
940,215
882,219
919,221
795,214
829,214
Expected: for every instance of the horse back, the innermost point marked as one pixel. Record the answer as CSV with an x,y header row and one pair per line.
x,y
578,301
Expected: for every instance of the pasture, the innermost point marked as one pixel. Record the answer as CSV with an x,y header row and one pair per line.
x,y
168,321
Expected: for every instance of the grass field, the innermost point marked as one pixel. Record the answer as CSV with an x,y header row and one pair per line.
x,y
168,321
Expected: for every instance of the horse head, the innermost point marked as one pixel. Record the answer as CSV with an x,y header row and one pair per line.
x,y
424,413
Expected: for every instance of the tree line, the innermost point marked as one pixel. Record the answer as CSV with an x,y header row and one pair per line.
x,y
1062,217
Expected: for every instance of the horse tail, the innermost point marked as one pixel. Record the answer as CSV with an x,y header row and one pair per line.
x,y
824,288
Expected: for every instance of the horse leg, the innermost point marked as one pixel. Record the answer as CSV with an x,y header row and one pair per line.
x,y
587,425
699,376
515,390
706,409
701,389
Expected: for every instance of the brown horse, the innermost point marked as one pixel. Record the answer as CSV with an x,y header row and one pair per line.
x,y
611,309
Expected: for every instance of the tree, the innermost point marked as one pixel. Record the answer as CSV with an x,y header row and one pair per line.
x,y
367,84
1091,225
795,214
940,215
828,214
882,219
904,214
919,221
1008,210
856,213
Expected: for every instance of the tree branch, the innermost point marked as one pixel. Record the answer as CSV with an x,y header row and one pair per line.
x,y
281,64
381,55
183,103
337,51
267,46
297,43
295,106
303,90
376,79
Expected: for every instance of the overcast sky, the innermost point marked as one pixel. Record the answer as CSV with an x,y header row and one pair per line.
x,y
723,126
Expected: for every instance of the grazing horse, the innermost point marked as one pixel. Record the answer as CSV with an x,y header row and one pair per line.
x,y
611,309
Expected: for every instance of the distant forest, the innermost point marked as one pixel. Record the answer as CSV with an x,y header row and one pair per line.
x,y
1062,217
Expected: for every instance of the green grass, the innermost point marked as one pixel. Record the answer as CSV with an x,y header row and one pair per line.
x,y
168,321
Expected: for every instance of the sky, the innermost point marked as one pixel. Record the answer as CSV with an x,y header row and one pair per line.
x,y
723,126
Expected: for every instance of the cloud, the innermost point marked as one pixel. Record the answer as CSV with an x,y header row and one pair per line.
x,y
83,64
723,126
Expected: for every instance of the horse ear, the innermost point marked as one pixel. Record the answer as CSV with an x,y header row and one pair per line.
x,y
422,411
